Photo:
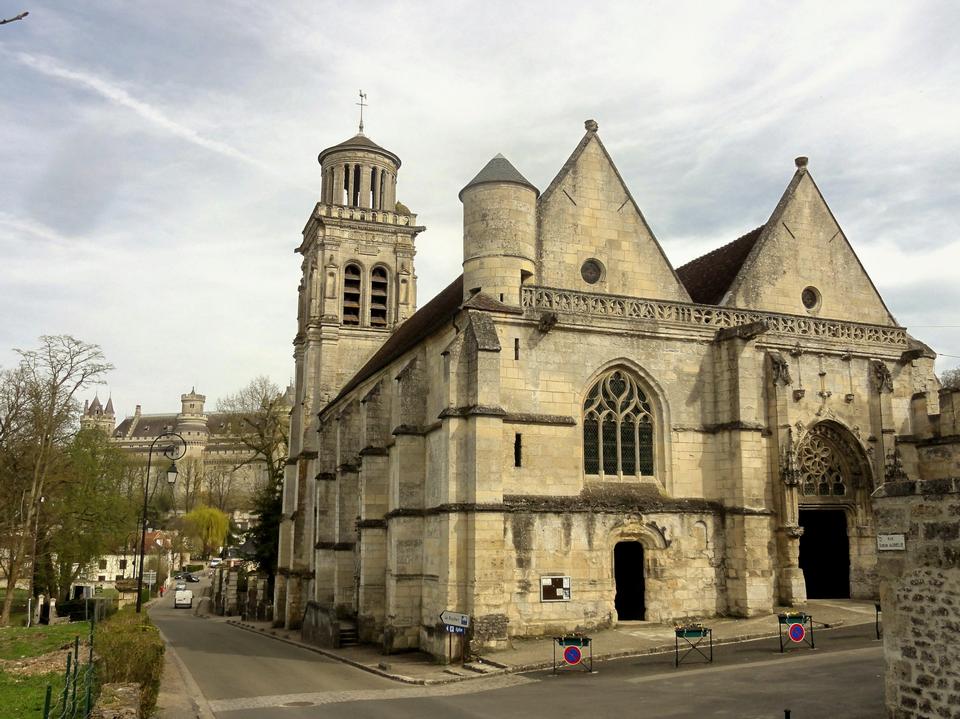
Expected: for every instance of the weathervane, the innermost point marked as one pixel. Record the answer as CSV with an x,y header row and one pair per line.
x,y
362,105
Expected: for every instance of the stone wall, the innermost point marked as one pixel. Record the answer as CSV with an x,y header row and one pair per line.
x,y
920,596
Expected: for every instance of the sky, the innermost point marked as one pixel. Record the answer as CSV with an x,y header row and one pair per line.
x,y
159,160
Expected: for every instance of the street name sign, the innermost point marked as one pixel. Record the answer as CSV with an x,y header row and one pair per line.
x,y
891,542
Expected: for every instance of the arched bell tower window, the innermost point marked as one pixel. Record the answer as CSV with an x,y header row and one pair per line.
x,y
378,297
617,427
351,294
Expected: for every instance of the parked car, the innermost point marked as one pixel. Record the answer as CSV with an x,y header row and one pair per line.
x,y
215,562
192,578
181,586
183,598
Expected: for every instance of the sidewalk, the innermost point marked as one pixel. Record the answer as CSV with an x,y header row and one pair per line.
x,y
625,640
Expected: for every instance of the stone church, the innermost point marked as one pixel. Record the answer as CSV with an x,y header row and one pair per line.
x,y
574,433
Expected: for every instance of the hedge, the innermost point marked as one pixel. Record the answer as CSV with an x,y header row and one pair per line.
x,y
131,650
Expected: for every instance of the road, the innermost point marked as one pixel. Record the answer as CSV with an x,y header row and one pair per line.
x,y
248,676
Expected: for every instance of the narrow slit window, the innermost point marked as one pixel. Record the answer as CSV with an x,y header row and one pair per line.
x,y
373,187
516,348
378,297
383,181
518,450
351,295
345,194
356,186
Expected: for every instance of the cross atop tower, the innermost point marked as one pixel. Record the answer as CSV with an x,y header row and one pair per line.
x,y
362,104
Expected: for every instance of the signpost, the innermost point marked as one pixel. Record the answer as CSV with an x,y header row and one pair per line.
x,y
799,628
572,652
150,577
455,623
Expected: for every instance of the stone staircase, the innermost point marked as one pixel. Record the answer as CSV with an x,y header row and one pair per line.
x,y
348,635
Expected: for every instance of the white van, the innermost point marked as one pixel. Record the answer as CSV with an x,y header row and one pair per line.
x,y
183,598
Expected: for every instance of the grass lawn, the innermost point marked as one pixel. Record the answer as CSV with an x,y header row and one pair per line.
x,y
19,642
21,697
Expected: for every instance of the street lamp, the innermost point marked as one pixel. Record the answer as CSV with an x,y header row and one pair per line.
x,y
173,452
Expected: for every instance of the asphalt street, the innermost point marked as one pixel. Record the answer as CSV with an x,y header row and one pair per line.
x,y
249,676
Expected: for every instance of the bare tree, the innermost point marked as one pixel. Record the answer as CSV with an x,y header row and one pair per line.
x,y
39,414
221,492
950,379
190,483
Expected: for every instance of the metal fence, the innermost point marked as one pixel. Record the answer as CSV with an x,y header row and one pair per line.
x,y
75,701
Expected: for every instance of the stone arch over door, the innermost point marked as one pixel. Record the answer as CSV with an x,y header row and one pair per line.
x,y
649,543
834,482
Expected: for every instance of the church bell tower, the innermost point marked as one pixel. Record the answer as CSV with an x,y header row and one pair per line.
x,y
358,283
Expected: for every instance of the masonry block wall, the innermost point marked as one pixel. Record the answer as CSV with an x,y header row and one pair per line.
x,y
920,596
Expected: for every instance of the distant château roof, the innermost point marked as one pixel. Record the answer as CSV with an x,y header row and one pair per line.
x,y
499,169
708,277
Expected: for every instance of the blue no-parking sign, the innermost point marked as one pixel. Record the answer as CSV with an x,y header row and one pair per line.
x,y
797,632
572,655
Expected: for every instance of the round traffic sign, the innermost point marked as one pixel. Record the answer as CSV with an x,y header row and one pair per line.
x,y
572,655
797,632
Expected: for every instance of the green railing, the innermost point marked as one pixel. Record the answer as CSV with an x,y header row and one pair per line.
x,y
75,701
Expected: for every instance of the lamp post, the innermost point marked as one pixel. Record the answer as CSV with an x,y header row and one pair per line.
x,y
173,452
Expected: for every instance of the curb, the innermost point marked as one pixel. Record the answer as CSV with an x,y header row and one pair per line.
x,y
512,668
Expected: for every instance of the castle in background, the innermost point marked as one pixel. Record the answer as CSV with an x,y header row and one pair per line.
x,y
574,433
217,469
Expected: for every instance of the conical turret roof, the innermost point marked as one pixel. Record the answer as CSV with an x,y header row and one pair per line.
x,y
499,170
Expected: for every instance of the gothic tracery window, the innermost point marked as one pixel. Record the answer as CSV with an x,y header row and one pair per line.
x,y
823,469
617,427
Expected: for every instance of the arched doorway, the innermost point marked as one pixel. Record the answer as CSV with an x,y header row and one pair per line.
x,y
825,553
630,600
833,481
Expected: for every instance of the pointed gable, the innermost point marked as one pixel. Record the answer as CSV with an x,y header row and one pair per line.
x,y
803,264
587,213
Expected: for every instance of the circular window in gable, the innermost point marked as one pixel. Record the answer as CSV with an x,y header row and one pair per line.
x,y
591,271
810,298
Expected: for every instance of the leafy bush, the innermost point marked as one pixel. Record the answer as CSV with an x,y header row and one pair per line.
x,y
193,568
131,650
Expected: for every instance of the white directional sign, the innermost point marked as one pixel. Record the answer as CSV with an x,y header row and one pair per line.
x,y
455,619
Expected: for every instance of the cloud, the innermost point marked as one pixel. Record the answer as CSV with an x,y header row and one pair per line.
x,y
117,95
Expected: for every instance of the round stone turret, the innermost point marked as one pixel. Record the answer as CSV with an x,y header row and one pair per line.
x,y
499,232
359,173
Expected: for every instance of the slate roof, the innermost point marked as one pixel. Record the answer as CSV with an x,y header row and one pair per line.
x,y
425,321
150,425
708,277
358,142
499,169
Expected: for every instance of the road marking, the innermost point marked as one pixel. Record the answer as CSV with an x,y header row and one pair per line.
x,y
475,686
821,657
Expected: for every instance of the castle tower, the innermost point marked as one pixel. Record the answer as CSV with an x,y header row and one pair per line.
x,y
499,232
96,416
192,422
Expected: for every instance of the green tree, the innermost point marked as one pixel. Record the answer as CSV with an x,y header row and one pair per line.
x,y
262,421
38,417
207,525
89,512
